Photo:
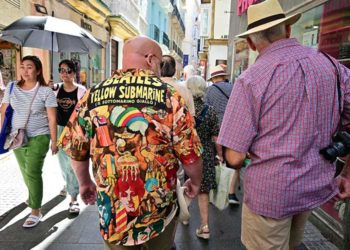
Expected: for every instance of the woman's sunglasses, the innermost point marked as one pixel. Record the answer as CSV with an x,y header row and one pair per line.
x,y
63,70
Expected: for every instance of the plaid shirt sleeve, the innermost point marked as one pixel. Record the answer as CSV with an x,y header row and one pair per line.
x,y
345,85
240,123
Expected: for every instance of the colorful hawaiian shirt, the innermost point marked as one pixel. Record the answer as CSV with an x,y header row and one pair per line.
x,y
135,128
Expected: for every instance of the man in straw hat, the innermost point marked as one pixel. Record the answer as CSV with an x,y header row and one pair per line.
x,y
283,110
217,96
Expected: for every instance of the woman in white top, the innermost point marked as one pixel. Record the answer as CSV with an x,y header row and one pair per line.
x,y
32,99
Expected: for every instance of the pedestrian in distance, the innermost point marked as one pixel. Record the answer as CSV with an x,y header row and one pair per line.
x,y
283,110
135,128
68,93
217,96
34,101
168,70
207,125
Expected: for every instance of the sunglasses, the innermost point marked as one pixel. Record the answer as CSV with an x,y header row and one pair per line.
x,y
63,70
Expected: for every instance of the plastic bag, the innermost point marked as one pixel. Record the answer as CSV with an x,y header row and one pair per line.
x,y
219,197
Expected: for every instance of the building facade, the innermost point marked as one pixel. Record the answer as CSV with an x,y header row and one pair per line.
x,y
214,30
190,44
324,25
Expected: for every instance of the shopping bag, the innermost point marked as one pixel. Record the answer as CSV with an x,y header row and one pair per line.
x,y
219,196
6,126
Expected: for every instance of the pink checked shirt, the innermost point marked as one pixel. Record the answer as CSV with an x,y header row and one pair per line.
x,y
283,109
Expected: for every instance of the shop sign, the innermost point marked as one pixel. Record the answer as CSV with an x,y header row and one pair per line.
x,y
242,5
85,25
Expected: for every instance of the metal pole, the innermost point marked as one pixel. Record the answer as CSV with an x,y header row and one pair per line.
x,y
346,225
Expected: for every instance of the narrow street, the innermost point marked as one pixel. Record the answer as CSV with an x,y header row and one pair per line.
x,y
58,230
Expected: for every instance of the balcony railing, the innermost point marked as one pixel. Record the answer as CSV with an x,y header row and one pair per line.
x,y
178,16
166,40
176,49
155,32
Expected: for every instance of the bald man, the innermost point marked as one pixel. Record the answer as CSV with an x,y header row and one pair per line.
x,y
134,128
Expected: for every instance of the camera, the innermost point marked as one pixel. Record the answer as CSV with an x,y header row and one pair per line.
x,y
339,148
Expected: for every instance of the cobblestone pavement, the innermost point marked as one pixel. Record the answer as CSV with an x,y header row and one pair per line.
x,y
60,231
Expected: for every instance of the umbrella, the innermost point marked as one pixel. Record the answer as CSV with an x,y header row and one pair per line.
x,y
51,33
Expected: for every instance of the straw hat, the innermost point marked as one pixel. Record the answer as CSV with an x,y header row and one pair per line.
x,y
265,15
218,70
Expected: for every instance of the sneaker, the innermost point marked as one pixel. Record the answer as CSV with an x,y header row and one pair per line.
x,y
232,199
203,232
63,192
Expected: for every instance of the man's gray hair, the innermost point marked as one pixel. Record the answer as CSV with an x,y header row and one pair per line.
x,y
197,86
271,35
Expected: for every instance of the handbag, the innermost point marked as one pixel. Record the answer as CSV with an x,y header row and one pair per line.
x,y
6,125
219,196
19,138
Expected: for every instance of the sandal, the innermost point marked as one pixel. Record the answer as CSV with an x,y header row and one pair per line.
x,y
203,232
74,208
32,220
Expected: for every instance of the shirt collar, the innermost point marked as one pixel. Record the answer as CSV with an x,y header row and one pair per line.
x,y
133,72
280,44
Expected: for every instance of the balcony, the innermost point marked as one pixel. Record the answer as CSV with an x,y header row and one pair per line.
x,y
176,13
155,32
166,40
176,49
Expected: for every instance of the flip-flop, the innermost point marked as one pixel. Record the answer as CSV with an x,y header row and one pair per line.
x,y
33,220
184,202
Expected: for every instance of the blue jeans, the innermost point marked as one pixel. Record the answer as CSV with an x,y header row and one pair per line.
x,y
67,170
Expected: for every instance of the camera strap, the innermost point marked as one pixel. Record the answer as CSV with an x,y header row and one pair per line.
x,y
338,82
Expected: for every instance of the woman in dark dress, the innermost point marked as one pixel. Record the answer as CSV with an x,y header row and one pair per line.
x,y
207,126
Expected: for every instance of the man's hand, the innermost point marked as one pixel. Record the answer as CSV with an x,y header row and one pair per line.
x,y
191,190
344,187
88,193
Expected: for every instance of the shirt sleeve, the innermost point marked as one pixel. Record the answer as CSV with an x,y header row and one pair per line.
x,y
50,101
76,136
240,122
345,79
186,141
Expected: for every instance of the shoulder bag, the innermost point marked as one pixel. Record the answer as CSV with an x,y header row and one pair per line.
x,y
6,125
18,138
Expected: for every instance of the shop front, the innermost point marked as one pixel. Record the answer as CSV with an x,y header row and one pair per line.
x,y
324,25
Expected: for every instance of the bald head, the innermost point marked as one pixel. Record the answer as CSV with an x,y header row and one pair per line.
x,y
143,53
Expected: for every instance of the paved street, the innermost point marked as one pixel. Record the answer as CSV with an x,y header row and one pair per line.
x,y
60,231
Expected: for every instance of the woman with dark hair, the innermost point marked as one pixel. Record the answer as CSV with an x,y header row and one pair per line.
x,y
68,93
34,106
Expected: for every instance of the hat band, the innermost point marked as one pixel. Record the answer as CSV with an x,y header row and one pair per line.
x,y
265,20
217,73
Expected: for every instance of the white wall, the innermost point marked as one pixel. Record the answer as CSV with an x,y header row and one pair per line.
x,y
222,19
216,52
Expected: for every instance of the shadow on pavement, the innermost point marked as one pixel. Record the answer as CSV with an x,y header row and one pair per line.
x,y
17,237
12,213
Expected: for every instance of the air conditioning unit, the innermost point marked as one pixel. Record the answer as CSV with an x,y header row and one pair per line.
x,y
224,36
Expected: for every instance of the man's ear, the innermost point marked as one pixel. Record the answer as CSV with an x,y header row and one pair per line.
x,y
149,59
288,30
251,44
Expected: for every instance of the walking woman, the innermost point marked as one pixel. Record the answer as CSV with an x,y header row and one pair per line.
x,y
34,101
207,126
67,93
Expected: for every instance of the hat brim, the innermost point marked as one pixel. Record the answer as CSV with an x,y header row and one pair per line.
x,y
222,74
288,20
